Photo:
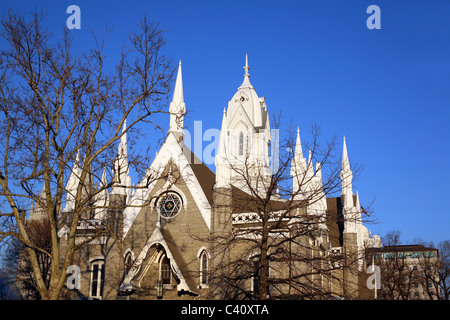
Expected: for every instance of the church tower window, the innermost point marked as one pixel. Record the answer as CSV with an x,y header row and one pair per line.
x,y
241,144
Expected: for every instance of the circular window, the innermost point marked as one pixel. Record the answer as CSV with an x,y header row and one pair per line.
x,y
169,205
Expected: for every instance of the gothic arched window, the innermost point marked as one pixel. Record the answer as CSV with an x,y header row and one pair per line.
x,y
241,144
165,273
204,268
128,262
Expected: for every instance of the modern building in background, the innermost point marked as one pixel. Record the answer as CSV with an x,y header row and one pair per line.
x,y
407,272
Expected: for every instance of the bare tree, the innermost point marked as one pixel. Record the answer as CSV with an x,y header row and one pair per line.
x,y
272,238
435,275
17,264
56,104
410,271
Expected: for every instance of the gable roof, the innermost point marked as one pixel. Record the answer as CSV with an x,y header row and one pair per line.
x,y
198,178
159,237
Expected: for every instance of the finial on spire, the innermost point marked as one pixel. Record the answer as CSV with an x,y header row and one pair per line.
x,y
246,83
246,67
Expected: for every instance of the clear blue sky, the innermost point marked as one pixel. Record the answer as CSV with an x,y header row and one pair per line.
x,y
387,90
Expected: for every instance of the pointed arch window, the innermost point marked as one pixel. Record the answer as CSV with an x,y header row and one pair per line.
x,y
165,273
203,268
128,260
241,144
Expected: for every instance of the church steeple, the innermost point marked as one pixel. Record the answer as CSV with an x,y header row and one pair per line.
x,y
177,107
72,183
298,146
246,83
298,170
246,136
122,179
346,178
220,161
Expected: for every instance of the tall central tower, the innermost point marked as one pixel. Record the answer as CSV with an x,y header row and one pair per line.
x,y
243,151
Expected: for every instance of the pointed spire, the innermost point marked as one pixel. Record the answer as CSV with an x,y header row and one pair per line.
x,y
310,168
72,183
123,150
220,161
319,171
298,160
76,164
346,178
177,107
220,156
104,182
178,91
345,159
358,205
246,82
102,199
121,164
299,170
121,167
298,145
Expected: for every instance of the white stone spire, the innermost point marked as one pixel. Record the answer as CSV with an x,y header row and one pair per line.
x,y
177,107
39,208
298,146
102,198
220,161
345,159
121,176
246,135
72,183
352,214
346,178
298,170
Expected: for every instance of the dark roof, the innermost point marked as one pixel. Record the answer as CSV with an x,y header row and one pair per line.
x,y
244,202
204,175
401,248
